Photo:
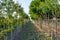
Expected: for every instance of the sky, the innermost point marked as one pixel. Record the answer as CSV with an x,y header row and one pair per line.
x,y
25,4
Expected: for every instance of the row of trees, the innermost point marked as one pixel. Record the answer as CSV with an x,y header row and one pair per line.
x,y
11,16
44,9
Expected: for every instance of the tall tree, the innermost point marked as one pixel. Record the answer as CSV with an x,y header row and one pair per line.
x,y
43,8
11,15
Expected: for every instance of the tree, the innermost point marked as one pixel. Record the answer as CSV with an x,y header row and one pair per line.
x,y
11,15
44,8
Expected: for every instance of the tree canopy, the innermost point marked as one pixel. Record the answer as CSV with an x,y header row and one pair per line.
x,y
44,8
11,16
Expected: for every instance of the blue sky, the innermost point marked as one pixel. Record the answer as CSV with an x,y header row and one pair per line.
x,y
25,4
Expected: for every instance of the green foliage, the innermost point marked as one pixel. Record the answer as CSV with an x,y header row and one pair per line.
x,y
31,33
44,8
11,16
